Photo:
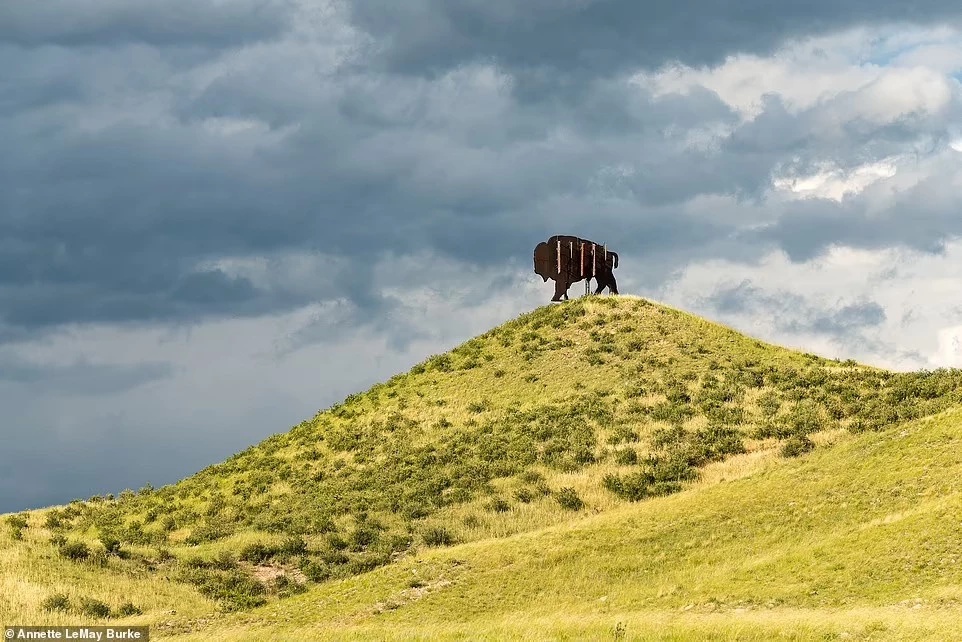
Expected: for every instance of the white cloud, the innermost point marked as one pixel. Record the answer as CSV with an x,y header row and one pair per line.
x,y
813,71
918,292
836,183
949,350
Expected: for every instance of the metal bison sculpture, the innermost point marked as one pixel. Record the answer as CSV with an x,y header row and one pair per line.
x,y
569,259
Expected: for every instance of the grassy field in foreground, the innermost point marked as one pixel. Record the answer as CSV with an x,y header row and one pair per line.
x,y
604,460
858,541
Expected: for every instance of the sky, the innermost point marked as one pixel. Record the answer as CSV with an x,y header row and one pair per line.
x,y
218,217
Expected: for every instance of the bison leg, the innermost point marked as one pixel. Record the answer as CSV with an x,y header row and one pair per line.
x,y
560,289
607,281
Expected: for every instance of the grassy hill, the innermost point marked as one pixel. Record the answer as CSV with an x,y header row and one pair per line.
x,y
606,466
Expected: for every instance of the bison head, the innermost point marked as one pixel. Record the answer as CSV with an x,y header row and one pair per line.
x,y
542,261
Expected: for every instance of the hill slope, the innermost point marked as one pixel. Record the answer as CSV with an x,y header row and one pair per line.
x,y
550,424
858,541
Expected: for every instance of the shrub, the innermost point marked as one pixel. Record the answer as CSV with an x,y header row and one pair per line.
x,y
437,536
439,363
164,555
626,456
478,407
471,521
111,544
671,436
285,586
317,571
257,553
670,412
75,551
804,418
208,532
128,609
293,546
541,488
721,414
233,589
56,602
638,486
523,495
17,524
569,500
660,475
531,477
224,561
362,537
797,445
336,542
333,557
769,403
714,443
499,505
622,433
94,608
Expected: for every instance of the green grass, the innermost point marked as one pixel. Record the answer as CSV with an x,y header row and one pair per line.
x,y
863,538
607,446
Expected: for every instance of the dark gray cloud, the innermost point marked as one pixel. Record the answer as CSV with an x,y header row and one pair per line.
x,y
922,218
47,463
124,183
104,23
592,36
80,377
791,312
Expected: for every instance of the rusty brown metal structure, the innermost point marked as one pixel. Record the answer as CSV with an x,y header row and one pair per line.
x,y
569,259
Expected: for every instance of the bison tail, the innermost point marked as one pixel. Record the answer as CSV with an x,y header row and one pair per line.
x,y
615,255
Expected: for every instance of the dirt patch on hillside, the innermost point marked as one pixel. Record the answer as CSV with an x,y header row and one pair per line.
x,y
410,595
267,574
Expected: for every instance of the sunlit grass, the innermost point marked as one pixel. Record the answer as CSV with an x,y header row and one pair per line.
x,y
502,473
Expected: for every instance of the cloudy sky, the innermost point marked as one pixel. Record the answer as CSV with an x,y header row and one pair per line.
x,y
219,216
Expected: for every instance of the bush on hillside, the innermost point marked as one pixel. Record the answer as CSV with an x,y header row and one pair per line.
x,y
208,532
75,551
110,543
17,523
316,571
94,608
569,500
797,445
638,486
437,536
660,474
283,586
128,609
53,519
233,589
56,602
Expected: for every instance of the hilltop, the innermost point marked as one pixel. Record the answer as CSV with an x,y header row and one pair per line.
x,y
592,430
